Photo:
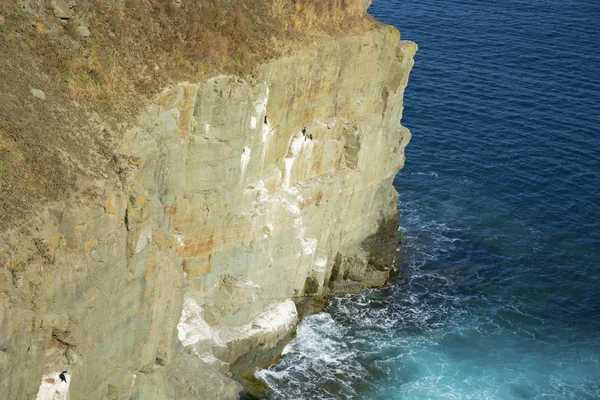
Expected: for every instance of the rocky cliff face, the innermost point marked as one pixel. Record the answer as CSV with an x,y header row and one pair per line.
x,y
237,198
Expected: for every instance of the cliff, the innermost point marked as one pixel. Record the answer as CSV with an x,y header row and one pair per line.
x,y
236,199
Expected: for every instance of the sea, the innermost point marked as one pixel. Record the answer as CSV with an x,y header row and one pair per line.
x,y
500,216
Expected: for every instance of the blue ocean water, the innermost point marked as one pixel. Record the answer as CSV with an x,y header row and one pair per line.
x,y
500,204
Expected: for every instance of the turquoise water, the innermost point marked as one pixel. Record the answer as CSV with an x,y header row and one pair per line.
x,y
500,204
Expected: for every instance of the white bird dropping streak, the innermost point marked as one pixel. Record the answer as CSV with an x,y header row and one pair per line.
x,y
192,328
244,160
265,137
265,130
289,163
52,388
295,148
260,107
320,264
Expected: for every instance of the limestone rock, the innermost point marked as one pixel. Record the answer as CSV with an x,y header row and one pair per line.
x,y
32,6
39,94
83,31
62,9
192,379
189,270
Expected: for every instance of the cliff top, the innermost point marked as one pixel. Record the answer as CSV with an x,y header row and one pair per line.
x,y
73,74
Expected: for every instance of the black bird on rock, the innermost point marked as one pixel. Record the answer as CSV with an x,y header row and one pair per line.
x,y
266,120
62,376
304,131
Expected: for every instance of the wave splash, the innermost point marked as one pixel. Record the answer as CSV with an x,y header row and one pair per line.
x,y
451,328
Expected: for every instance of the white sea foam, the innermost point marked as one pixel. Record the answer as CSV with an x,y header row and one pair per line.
x,y
431,173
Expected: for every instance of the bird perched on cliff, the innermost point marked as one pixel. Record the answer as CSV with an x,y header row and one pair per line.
x,y
310,136
304,131
62,376
266,120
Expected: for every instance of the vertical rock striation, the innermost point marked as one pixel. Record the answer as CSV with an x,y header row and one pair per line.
x,y
237,197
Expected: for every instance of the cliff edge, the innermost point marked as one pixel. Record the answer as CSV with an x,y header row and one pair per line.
x,y
235,199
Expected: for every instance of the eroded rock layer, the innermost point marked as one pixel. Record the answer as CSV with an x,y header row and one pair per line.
x,y
237,198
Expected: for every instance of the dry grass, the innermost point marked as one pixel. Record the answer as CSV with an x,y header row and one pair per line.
x,y
49,149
